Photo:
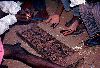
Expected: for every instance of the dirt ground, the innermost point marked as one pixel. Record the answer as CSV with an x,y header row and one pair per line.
x,y
91,55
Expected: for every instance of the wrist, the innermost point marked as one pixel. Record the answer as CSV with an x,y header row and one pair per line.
x,y
57,13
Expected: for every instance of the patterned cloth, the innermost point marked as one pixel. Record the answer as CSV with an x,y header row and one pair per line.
x,y
1,51
12,8
76,2
90,14
67,3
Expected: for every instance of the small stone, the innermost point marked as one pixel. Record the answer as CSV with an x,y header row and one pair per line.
x,y
57,35
8,62
62,17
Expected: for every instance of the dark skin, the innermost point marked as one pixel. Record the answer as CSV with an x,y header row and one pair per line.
x,y
23,15
20,16
41,13
54,19
19,53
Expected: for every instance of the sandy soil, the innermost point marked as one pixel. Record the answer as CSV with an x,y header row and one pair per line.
x,y
91,55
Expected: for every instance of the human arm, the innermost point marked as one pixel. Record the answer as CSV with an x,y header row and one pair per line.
x,y
11,17
14,8
56,17
19,53
72,28
23,15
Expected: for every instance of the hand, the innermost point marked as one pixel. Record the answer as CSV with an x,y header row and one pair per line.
x,y
54,19
72,28
24,15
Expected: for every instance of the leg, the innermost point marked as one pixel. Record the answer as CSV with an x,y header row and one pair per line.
x,y
19,53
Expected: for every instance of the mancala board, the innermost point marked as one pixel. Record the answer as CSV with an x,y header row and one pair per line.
x,y
49,47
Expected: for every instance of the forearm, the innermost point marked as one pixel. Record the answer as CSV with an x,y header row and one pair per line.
x,y
38,62
60,7
19,53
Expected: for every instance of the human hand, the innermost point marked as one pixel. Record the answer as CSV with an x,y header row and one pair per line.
x,y
24,15
54,19
71,29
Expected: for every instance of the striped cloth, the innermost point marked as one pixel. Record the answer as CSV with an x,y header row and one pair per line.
x,y
90,14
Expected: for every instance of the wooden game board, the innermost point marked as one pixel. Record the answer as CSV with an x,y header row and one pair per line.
x,y
49,47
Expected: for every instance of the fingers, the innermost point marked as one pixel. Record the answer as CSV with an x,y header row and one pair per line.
x,y
56,24
25,13
67,32
48,19
28,13
22,18
31,13
27,10
22,12
51,22
54,20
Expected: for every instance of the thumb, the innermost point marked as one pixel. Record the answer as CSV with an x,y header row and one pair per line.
x,y
48,19
67,28
75,29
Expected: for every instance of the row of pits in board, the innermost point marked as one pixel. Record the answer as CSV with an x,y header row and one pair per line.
x,y
47,44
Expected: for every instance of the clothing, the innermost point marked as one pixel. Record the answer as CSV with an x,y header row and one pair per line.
x,y
1,51
12,8
67,3
76,2
90,14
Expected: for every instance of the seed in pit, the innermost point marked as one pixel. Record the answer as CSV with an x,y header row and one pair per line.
x,y
42,31
58,55
47,35
52,39
57,43
59,48
52,52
